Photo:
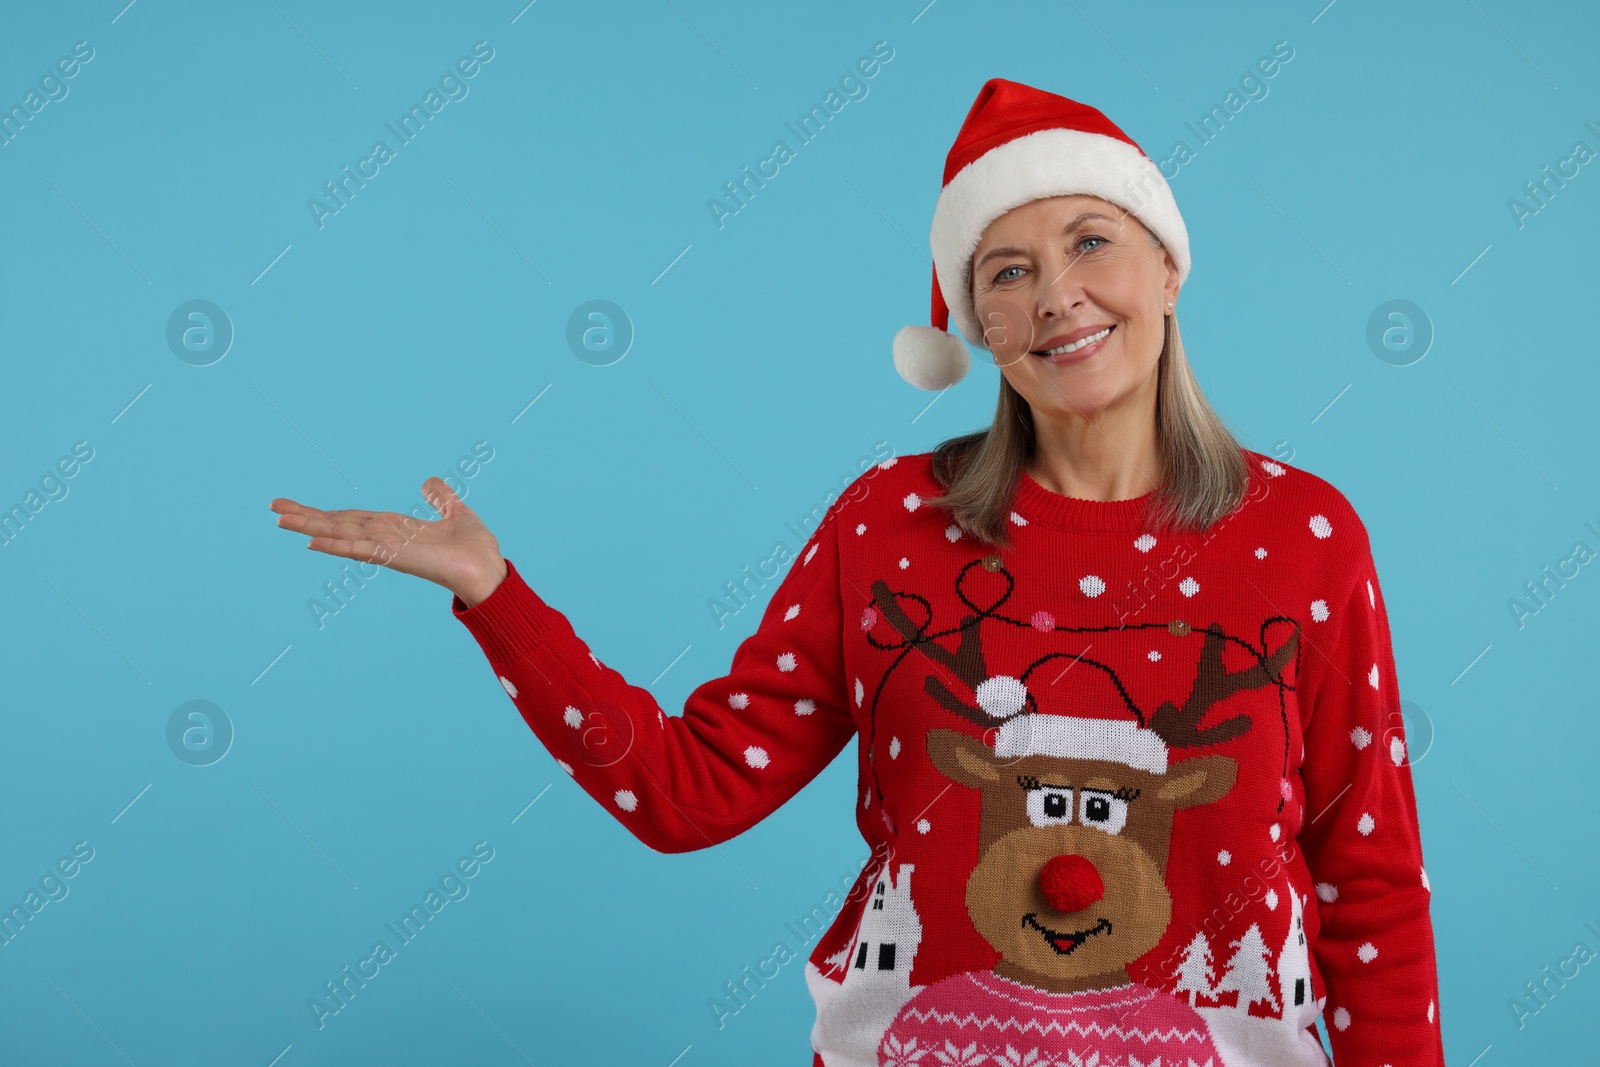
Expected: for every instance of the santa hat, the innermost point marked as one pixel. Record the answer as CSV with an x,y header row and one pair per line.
x,y
1019,144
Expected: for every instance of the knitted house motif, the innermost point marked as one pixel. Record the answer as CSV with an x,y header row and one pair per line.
x,y
876,967
890,931
1294,969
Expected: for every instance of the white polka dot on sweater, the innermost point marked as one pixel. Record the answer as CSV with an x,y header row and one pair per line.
x,y
812,551
1372,676
1274,469
1319,611
573,717
1188,587
1144,543
1018,519
1430,1011
894,748
511,690
1341,1019
1092,585
786,661
1360,737
1224,857
738,700
886,464
1153,655
911,501
1397,751
1321,527
861,692
861,528
1272,899
1367,952
625,799
1261,553
1371,599
794,609
1425,884
952,532
1327,892
904,563
923,826
1274,831
1366,824
805,706
564,765
755,756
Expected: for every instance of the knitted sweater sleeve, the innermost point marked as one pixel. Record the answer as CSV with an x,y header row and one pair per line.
x,y
1374,948
745,743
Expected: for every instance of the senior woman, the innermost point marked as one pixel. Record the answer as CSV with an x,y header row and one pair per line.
x,y
1131,762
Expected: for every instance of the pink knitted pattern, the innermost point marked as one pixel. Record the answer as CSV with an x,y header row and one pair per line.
x,y
980,1017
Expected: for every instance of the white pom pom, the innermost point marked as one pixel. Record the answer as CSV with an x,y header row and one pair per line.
x,y
1002,696
929,358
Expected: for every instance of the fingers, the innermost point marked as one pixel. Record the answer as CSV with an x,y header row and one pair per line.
x,y
324,524
356,530
284,506
361,549
345,523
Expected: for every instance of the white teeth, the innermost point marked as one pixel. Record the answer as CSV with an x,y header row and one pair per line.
x,y
1080,343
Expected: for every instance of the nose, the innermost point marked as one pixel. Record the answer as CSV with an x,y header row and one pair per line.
x,y
1070,883
1061,292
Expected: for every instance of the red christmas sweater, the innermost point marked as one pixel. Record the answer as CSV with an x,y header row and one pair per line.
x,y
1132,796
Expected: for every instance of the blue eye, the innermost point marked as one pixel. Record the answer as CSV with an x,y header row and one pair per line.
x,y
1001,277
1100,239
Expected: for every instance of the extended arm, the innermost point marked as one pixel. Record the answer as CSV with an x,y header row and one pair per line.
x,y
746,742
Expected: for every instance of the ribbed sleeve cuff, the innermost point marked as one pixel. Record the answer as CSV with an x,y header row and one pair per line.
x,y
511,621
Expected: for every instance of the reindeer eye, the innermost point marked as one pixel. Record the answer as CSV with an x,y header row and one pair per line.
x,y
1049,806
1104,811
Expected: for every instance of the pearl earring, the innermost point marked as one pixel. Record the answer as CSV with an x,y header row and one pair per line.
x,y
1169,309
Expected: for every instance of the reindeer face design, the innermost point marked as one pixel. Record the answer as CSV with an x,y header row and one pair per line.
x,y
1070,881
1076,810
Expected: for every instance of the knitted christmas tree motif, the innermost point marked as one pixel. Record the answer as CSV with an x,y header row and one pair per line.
x,y
1075,823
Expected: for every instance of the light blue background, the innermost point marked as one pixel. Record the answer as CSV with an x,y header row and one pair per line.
x,y
433,309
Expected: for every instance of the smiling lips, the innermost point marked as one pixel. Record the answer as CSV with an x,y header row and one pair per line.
x,y
1065,942
1076,341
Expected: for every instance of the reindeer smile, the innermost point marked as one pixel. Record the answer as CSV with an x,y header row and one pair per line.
x,y
1064,943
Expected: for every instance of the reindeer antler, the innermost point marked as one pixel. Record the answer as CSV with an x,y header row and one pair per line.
x,y
966,662
1212,683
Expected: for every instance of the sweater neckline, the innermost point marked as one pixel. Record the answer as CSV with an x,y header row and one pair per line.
x,y
1127,994
1035,503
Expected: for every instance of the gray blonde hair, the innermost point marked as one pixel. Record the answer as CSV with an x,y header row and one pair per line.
x,y
1207,475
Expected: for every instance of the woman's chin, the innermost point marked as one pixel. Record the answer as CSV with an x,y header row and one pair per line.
x,y
1070,389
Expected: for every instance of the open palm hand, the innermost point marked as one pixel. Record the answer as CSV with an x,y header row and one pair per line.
x,y
456,551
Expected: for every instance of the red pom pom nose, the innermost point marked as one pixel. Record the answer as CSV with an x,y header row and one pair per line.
x,y
1071,883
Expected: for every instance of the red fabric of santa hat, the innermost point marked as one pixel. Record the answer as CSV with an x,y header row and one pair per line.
x,y
1019,144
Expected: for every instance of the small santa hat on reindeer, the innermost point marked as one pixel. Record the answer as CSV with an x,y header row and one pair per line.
x,y
1019,144
1086,710
1068,735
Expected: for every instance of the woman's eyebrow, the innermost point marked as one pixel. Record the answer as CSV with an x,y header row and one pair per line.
x,y
1068,228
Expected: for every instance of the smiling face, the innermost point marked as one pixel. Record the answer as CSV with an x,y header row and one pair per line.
x,y
1011,911
1054,271
1108,815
